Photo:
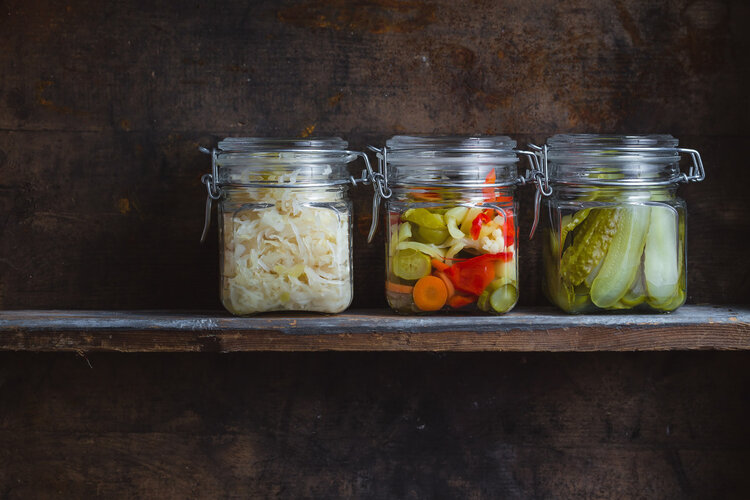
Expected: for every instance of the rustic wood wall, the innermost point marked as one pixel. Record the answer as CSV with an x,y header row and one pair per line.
x,y
103,106
660,425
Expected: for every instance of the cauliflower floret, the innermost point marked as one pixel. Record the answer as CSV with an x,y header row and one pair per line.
x,y
494,242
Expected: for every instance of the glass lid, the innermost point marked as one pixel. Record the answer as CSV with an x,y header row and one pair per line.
x,y
613,159
259,160
459,160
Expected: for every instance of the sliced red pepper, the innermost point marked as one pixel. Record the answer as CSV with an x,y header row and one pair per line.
x,y
480,220
489,192
505,197
473,275
509,229
459,300
425,196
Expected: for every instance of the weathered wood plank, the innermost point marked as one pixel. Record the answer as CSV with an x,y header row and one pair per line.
x,y
689,328
375,425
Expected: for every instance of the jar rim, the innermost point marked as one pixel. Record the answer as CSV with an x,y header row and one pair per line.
x,y
450,161
608,141
405,144
281,150
613,160
656,148
275,144
282,162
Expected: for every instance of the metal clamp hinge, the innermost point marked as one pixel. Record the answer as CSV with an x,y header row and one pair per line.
x,y
697,173
212,188
539,174
380,187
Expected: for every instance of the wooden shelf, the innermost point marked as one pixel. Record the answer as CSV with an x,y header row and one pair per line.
x,y
689,328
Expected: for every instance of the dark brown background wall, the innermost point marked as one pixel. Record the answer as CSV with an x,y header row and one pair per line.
x,y
103,106
377,425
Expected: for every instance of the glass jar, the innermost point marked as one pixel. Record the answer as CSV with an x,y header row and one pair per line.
x,y
285,225
614,236
451,235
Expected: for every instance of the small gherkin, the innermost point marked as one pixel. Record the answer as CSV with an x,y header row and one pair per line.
x,y
590,244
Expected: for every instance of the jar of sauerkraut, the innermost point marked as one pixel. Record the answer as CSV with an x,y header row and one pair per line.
x,y
451,236
614,232
284,223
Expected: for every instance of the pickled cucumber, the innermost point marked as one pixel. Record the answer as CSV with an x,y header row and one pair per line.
x,y
499,296
437,240
676,301
633,255
557,290
434,236
502,299
483,301
623,257
430,228
636,295
661,263
570,222
410,264
424,218
590,244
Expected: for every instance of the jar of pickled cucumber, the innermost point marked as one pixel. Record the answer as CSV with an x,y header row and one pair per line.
x,y
451,235
614,227
284,223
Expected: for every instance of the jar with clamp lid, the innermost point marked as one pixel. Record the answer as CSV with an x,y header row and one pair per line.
x,y
614,227
285,224
451,234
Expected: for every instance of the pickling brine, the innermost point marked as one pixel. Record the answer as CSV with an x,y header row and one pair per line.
x,y
452,256
616,257
285,249
285,223
614,232
451,236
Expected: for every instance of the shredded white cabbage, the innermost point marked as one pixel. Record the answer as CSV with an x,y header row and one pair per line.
x,y
287,254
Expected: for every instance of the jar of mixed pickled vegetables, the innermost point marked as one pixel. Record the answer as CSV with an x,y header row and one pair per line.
x,y
451,236
284,223
614,236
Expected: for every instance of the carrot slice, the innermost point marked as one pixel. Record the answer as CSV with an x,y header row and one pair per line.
x,y
398,288
447,281
439,265
430,293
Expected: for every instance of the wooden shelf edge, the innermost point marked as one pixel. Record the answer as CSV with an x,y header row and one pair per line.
x,y
524,330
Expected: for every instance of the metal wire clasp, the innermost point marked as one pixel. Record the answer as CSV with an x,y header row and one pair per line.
x,y
539,173
697,173
380,187
212,188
